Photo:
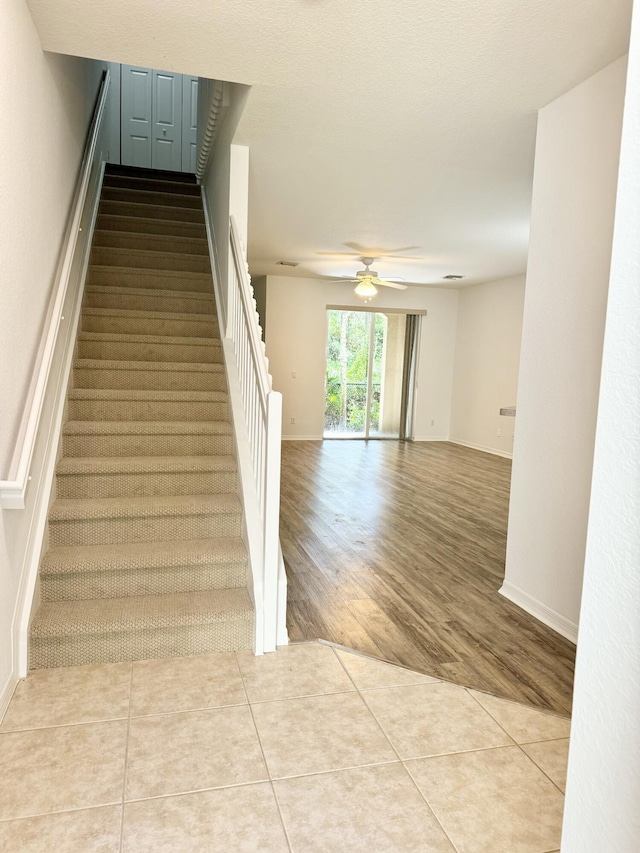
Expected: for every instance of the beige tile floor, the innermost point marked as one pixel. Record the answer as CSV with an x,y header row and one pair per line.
x,y
309,749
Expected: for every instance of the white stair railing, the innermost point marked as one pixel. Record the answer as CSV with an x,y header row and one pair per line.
x,y
262,407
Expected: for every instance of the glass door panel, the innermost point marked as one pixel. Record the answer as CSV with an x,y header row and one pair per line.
x,y
363,388
346,383
388,367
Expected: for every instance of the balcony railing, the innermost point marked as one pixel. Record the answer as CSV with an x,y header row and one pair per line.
x,y
348,414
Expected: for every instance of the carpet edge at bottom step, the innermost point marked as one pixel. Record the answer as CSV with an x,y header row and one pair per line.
x,y
234,633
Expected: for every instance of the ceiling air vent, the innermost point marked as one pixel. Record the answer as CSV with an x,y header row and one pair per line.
x,y
287,263
452,277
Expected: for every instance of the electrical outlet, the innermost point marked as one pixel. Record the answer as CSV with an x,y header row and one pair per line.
x,y
433,423
499,433
293,420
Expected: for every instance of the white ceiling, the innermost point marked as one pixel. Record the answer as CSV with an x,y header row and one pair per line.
x,y
370,122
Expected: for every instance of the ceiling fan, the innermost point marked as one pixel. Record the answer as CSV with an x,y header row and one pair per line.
x,y
367,281
377,253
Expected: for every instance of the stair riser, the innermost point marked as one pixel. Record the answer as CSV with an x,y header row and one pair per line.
x,y
149,260
156,280
151,211
151,185
116,170
147,445
137,225
191,202
106,531
133,351
149,581
162,243
133,410
145,485
207,327
149,380
233,634
149,302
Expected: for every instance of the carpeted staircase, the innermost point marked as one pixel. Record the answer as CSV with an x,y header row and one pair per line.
x,y
144,551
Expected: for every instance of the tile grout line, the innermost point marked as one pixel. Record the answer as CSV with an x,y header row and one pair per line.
x,y
126,758
467,690
542,770
428,805
65,725
335,770
72,810
519,745
264,758
547,711
406,770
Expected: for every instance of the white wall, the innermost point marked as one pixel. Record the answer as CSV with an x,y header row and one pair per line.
x,y
603,786
296,340
49,100
485,377
574,190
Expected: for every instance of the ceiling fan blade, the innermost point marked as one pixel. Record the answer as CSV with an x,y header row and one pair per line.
x,y
379,253
394,284
339,254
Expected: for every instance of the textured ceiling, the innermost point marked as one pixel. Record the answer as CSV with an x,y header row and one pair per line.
x,y
380,124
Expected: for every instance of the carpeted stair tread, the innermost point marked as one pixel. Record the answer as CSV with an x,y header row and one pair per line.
x,y
151,184
152,197
155,174
169,340
160,366
147,428
144,612
121,570
151,396
149,299
150,259
150,323
170,278
77,465
135,314
70,509
131,321
151,211
137,253
196,295
131,556
118,346
109,238
118,224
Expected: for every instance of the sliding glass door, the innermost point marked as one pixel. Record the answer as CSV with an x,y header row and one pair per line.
x,y
365,374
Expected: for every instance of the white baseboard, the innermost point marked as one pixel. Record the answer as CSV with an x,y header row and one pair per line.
x,y
302,437
6,693
430,438
540,611
505,454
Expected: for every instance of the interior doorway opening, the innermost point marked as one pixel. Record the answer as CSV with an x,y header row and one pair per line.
x,y
369,373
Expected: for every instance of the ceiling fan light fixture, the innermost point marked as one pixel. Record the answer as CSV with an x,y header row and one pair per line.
x,y
366,289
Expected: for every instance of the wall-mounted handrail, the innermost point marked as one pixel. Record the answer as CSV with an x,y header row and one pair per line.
x,y
13,489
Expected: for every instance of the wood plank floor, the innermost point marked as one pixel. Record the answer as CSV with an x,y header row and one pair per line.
x,y
397,549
